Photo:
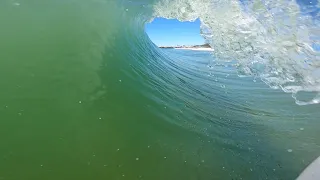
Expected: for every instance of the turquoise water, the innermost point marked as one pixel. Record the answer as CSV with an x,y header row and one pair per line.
x,y
87,95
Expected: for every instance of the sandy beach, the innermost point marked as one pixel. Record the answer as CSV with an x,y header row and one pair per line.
x,y
197,49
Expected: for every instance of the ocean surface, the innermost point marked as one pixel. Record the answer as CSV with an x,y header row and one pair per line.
x,y
85,94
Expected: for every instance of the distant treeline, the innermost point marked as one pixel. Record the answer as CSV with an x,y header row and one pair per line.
x,y
202,46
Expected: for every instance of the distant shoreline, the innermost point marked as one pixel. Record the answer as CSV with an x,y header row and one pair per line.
x,y
197,49
204,47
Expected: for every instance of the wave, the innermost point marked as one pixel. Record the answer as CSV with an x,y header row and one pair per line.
x,y
275,40
82,84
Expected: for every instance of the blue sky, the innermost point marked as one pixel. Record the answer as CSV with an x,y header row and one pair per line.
x,y
165,32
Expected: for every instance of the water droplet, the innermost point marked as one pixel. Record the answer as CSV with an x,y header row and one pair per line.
x,y
118,149
137,159
127,9
120,80
19,114
290,150
251,169
185,161
80,102
100,118
301,129
202,161
41,165
105,165
223,167
165,157
148,146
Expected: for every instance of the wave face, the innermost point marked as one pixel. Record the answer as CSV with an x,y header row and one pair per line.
x,y
87,95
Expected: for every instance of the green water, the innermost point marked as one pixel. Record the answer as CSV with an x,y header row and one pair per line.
x,y
86,95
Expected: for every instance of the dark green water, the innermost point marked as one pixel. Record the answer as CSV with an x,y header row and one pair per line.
x,y
86,95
